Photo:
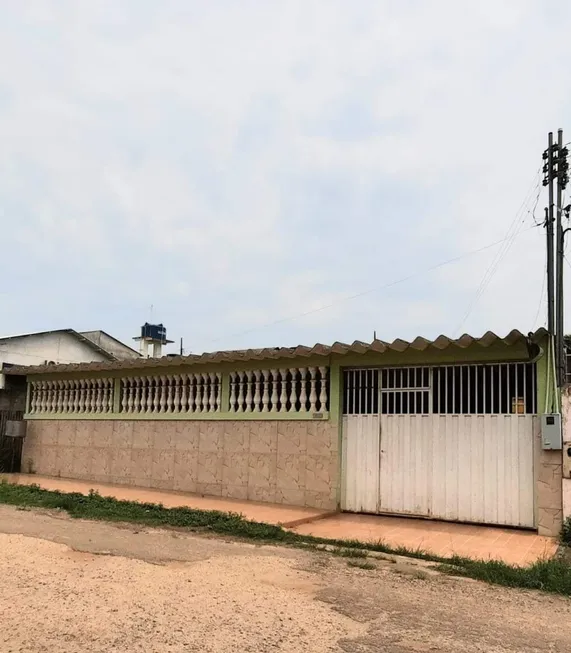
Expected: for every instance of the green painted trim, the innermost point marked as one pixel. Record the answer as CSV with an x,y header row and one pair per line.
x,y
28,396
547,382
335,392
178,417
335,407
541,382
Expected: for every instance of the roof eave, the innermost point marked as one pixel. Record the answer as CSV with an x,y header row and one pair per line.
x,y
283,353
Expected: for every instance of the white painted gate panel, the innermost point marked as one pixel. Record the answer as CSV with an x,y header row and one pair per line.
x,y
361,463
472,468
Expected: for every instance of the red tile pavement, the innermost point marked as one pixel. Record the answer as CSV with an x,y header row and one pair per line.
x,y
269,513
439,538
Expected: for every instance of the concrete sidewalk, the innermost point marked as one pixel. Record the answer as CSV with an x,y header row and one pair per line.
x,y
268,513
439,538
445,539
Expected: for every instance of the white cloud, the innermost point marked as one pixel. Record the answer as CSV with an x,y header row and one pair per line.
x,y
266,159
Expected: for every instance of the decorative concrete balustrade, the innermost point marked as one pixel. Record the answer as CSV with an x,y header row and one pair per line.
x,y
172,393
277,393
283,390
73,396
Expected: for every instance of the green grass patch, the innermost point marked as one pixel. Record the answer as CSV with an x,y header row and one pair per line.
x,y
361,564
549,575
566,532
94,506
552,575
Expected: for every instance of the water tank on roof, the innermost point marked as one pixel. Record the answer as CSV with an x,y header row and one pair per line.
x,y
155,332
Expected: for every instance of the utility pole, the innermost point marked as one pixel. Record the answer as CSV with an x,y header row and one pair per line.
x,y
548,224
559,320
556,168
548,181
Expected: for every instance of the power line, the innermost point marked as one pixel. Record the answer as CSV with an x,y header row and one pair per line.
x,y
513,231
540,297
370,290
544,271
488,276
539,187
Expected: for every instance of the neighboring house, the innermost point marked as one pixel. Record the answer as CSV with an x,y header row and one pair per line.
x,y
46,348
445,429
63,346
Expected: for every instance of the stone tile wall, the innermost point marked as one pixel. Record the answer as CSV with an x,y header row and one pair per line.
x,y
290,462
566,480
548,488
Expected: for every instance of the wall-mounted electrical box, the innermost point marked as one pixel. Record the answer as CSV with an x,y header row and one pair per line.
x,y
551,434
15,428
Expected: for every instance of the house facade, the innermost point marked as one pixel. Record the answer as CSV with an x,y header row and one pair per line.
x,y
62,346
443,429
45,348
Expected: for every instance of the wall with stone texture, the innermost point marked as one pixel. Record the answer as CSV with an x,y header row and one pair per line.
x,y
289,462
566,480
549,501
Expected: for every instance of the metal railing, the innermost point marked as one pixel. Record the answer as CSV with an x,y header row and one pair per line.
x,y
480,389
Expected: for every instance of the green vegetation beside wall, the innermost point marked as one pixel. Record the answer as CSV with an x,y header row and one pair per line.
x,y
547,575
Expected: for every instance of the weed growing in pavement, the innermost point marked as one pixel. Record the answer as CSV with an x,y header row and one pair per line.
x,y
552,575
566,532
549,575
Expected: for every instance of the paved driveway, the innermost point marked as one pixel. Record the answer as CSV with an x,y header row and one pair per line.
x,y
517,547
74,586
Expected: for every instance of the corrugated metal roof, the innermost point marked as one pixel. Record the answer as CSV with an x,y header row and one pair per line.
x,y
276,353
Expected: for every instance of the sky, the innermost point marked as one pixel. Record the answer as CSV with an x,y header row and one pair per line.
x,y
258,173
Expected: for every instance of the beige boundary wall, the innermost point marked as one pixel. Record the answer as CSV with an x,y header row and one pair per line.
x,y
548,489
285,461
566,480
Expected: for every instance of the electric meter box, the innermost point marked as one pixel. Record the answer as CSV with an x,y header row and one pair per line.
x,y
15,428
551,434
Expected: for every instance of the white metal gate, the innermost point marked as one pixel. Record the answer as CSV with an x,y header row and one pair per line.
x,y
409,459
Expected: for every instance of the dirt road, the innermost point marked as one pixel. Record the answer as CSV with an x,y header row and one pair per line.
x,y
76,586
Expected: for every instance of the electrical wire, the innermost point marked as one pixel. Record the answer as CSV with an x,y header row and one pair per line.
x,y
396,282
512,233
540,297
539,188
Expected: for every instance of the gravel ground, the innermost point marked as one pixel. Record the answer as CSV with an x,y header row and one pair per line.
x,y
75,586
